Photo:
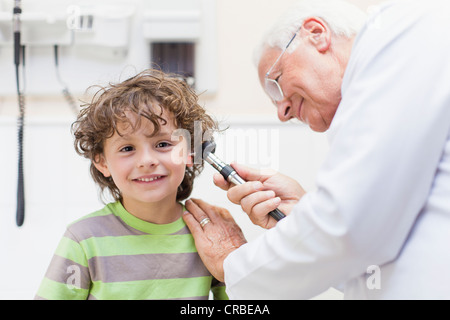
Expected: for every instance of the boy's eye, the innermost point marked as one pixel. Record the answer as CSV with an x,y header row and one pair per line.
x,y
163,145
127,149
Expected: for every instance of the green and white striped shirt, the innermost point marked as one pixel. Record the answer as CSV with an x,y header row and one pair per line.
x,y
111,254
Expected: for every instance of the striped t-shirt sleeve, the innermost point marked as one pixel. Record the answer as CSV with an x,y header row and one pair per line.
x,y
218,290
68,275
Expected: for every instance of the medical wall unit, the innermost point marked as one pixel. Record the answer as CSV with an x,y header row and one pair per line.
x,y
106,39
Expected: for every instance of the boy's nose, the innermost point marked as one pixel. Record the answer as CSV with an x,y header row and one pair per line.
x,y
147,159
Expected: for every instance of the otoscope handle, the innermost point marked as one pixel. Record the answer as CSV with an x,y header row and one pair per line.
x,y
208,148
231,176
277,214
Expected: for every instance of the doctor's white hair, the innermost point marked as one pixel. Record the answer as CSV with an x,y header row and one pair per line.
x,y
343,18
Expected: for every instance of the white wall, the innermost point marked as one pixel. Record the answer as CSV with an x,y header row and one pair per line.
x,y
57,182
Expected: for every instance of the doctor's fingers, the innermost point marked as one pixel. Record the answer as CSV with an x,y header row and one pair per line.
x,y
202,210
253,174
253,199
194,226
258,205
219,229
245,172
237,193
220,182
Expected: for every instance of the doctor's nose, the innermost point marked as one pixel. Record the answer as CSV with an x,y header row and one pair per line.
x,y
284,110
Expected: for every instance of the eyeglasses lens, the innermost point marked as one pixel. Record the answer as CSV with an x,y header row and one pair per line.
x,y
273,90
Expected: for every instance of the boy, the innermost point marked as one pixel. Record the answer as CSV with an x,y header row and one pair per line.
x,y
137,247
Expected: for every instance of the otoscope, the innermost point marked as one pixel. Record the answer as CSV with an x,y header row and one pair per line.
x,y
209,148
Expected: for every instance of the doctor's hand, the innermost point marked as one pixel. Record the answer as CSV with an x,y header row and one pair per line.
x,y
215,233
264,191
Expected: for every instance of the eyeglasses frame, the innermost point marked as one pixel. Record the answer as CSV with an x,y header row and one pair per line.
x,y
268,80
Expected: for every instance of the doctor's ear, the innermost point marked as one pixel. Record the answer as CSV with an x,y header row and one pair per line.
x,y
318,33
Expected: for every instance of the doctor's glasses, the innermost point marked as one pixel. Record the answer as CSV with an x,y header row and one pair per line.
x,y
271,86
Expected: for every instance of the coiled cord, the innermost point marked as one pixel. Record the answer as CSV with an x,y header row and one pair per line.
x,y
20,211
65,91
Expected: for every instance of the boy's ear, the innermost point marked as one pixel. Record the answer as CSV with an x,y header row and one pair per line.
x,y
100,163
319,34
190,160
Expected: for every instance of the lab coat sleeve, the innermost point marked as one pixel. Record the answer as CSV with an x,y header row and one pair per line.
x,y
389,132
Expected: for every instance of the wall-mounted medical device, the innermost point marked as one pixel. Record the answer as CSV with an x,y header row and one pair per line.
x,y
102,25
60,23
181,35
112,37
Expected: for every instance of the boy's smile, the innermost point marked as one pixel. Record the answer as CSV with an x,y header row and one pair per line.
x,y
150,178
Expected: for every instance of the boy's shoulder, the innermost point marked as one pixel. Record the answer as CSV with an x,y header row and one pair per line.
x,y
106,210
95,224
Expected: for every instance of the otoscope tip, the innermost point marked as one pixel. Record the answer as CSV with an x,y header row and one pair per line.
x,y
208,147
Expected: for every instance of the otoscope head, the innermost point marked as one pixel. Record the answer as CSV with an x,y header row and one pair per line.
x,y
207,148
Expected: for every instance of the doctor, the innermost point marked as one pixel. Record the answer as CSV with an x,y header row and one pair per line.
x,y
379,222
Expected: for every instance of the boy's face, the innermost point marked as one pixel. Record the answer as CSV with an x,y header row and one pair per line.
x,y
146,169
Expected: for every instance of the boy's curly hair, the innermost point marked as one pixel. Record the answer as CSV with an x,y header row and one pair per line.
x,y
147,94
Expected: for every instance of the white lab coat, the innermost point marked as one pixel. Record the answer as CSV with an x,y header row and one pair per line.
x,y
383,193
